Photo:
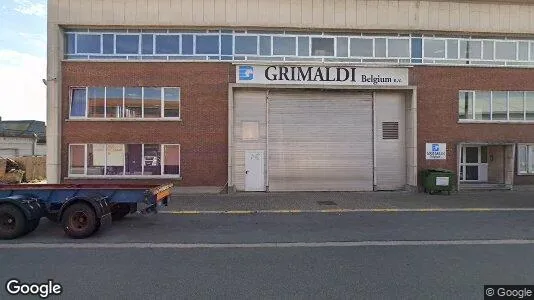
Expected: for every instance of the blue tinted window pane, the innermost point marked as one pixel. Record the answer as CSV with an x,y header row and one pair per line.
x,y
304,46
108,43
69,44
207,44
167,44
265,45
78,105
226,45
133,102
417,48
147,44
152,102
246,45
88,43
127,44
284,45
187,44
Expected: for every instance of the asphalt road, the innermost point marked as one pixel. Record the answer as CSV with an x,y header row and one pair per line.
x,y
402,255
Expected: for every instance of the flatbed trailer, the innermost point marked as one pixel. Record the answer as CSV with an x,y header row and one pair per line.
x,y
82,209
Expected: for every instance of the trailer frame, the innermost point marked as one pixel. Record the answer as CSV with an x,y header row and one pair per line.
x,y
82,209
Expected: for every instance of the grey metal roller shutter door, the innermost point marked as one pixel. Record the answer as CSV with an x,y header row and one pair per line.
x,y
320,141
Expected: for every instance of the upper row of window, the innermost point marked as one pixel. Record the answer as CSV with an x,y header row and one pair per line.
x,y
496,106
253,45
213,44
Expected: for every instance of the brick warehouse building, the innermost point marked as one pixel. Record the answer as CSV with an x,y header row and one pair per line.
x,y
284,95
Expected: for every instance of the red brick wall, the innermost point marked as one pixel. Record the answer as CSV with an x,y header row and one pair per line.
x,y
437,111
202,133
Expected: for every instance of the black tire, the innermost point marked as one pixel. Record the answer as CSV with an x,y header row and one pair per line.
x,y
119,211
13,223
79,221
32,225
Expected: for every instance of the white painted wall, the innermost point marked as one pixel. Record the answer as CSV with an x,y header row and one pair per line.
x,y
16,146
40,150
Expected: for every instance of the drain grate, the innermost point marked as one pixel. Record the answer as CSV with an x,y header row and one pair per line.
x,y
326,203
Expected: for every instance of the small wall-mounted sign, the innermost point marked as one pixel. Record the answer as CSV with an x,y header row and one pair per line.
x,y
436,151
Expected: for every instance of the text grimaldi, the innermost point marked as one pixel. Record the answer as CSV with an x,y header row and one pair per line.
x,y
321,74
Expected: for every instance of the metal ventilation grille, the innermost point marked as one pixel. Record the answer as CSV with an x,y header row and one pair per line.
x,y
390,130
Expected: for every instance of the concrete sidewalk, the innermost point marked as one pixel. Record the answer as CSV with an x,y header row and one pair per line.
x,y
348,201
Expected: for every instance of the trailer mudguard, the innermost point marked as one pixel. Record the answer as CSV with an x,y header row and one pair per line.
x,y
31,208
99,204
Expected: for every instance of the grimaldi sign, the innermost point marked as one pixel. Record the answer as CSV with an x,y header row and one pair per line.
x,y
323,75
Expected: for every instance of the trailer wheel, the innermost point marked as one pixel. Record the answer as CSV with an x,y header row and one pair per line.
x,y
79,221
32,225
12,222
119,211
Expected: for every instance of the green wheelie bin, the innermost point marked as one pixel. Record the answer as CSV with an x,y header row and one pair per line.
x,y
438,180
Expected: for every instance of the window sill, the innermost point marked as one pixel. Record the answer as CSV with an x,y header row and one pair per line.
x,y
525,174
123,120
494,122
119,177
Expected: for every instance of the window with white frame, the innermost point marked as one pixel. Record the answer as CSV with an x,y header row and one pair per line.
x,y
77,159
125,102
96,102
399,48
78,102
496,106
525,159
246,45
127,44
166,44
124,160
322,46
152,102
88,43
434,48
253,45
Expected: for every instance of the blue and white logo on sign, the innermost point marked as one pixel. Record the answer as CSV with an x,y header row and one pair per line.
x,y
246,73
436,151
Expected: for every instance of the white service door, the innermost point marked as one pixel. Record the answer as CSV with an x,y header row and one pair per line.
x,y
390,145
254,170
474,164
